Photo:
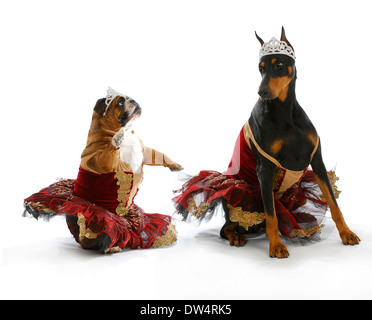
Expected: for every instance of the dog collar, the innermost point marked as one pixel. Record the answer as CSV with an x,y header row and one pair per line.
x,y
275,46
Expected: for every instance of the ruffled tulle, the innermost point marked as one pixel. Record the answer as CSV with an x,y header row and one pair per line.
x,y
300,210
95,227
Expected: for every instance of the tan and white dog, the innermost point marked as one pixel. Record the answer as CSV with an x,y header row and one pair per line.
x,y
98,204
112,133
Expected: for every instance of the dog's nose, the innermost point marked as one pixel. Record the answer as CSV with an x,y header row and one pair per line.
x,y
264,93
138,110
133,103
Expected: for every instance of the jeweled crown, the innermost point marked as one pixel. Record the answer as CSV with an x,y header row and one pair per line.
x,y
275,46
110,96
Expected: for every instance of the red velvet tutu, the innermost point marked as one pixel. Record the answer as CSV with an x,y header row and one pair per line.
x,y
300,209
95,225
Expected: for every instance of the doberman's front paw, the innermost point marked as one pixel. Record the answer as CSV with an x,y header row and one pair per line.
x,y
236,239
175,167
278,251
349,238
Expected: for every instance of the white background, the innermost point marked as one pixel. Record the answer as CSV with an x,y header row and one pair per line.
x,y
193,67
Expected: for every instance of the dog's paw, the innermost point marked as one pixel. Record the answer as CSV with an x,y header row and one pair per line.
x,y
278,251
236,239
117,139
175,167
349,238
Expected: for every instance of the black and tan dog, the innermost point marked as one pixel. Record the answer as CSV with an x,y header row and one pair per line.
x,y
281,128
267,183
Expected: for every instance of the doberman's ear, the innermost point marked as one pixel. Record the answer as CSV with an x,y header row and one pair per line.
x,y
284,38
100,106
259,39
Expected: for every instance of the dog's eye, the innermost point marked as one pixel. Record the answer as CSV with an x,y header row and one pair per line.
x,y
279,65
121,102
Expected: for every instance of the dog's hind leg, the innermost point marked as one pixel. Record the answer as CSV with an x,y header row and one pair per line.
x,y
100,243
228,230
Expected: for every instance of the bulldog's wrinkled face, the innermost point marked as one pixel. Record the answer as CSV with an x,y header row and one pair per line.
x,y
129,110
122,110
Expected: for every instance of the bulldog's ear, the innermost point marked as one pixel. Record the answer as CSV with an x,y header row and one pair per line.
x,y
100,106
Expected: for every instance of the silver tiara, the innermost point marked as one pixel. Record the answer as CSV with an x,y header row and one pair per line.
x,y
274,46
111,95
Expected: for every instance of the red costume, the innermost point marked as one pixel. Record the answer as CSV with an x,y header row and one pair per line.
x,y
298,200
93,199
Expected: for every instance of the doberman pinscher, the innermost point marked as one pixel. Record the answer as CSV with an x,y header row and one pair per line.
x,y
283,130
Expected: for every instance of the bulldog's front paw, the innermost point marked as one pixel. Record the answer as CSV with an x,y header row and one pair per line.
x,y
175,167
117,139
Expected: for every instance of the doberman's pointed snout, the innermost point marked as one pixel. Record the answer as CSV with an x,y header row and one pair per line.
x,y
264,93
